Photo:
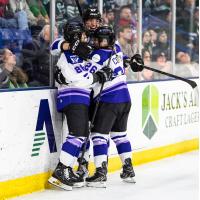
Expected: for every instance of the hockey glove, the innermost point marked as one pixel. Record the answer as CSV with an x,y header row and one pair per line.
x,y
81,49
136,63
103,75
59,76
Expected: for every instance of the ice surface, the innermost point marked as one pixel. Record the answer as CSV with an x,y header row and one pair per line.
x,y
174,178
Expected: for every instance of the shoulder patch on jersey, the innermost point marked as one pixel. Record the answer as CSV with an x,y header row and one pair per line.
x,y
72,59
96,58
102,54
117,59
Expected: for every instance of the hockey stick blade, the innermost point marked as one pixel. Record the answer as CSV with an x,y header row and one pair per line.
x,y
190,82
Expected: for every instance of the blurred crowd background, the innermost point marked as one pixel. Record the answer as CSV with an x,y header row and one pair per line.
x,y
25,36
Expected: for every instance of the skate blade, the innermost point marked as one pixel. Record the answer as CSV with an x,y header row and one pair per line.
x,y
129,180
78,185
59,184
96,184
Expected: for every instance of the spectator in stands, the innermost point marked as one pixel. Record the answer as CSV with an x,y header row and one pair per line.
x,y
146,41
36,58
162,44
184,66
146,55
23,12
10,75
7,18
38,10
109,16
126,17
154,36
162,64
124,39
146,75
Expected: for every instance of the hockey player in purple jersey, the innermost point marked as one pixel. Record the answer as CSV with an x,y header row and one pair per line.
x,y
112,114
92,20
73,99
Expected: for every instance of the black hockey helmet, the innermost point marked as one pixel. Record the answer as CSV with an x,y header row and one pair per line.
x,y
105,32
73,30
91,13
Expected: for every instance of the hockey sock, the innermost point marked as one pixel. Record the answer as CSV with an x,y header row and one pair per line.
x,y
100,148
123,145
70,150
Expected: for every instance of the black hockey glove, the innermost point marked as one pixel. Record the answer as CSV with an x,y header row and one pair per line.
x,y
103,75
59,76
137,63
81,49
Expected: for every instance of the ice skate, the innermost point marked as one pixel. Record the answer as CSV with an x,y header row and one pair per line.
x,y
65,178
77,180
128,174
61,177
99,178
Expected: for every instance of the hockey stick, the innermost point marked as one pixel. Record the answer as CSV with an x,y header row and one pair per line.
x,y
190,82
79,8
